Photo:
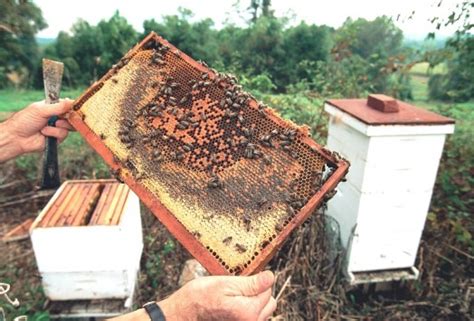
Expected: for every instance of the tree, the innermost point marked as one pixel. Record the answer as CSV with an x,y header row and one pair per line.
x,y
197,39
89,51
19,22
263,5
458,83
304,45
378,44
367,38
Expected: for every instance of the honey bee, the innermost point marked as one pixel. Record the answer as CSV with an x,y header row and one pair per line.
x,y
262,202
227,240
204,76
213,158
279,227
172,100
184,123
297,204
186,148
267,159
174,111
183,100
330,195
240,248
286,148
264,244
102,136
116,173
249,152
214,182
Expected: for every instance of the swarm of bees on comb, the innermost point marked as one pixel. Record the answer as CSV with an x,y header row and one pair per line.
x,y
222,171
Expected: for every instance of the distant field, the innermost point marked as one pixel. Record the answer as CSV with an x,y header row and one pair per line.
x,y
422,69
13,100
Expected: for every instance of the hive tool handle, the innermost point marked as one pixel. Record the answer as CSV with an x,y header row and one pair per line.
x,y
52,76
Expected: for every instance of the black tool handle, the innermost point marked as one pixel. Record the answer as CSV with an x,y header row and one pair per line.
x,y
50,178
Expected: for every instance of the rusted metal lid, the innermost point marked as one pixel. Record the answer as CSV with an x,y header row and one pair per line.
x,y
385,110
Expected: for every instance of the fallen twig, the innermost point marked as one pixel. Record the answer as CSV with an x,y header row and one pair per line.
x,y
461,252
283,288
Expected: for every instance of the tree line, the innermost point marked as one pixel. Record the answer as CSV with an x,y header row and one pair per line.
x,y
267,54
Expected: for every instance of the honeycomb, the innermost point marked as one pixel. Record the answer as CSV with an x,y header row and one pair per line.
x,y
223,172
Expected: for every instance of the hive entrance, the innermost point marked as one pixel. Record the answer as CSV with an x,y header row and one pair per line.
x,y
229,170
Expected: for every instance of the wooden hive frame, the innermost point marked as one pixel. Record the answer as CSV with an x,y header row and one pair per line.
x,y
84,202
208,258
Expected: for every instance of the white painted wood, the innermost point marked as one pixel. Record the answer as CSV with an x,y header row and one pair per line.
x,y
76,261
382,207
85,285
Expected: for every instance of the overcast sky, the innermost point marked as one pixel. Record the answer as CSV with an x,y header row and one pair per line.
x,y
60,14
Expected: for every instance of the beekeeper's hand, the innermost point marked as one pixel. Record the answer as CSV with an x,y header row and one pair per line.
x,y
26,130
219,298
223,298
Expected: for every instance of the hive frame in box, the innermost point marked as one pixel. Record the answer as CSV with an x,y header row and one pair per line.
x,y
86,262
187,239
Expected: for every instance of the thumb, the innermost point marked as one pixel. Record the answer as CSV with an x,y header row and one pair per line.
x,y
256,284
48,110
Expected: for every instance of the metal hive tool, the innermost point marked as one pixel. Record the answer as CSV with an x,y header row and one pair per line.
x,y
226,175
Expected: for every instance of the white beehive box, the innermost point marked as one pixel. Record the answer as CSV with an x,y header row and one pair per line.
x,y
88,241
394,149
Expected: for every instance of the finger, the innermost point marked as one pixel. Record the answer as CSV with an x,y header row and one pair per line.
x,y
263,298
49,110
256,284
59,133
268,310
62,123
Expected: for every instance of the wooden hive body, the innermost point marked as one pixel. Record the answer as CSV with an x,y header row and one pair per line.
x,y
381,209
225,174
88,241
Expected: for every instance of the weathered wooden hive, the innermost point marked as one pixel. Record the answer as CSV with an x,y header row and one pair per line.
x,y
225,174
88,241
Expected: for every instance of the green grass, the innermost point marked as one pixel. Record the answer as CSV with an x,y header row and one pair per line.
x,y
12,100
423,69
